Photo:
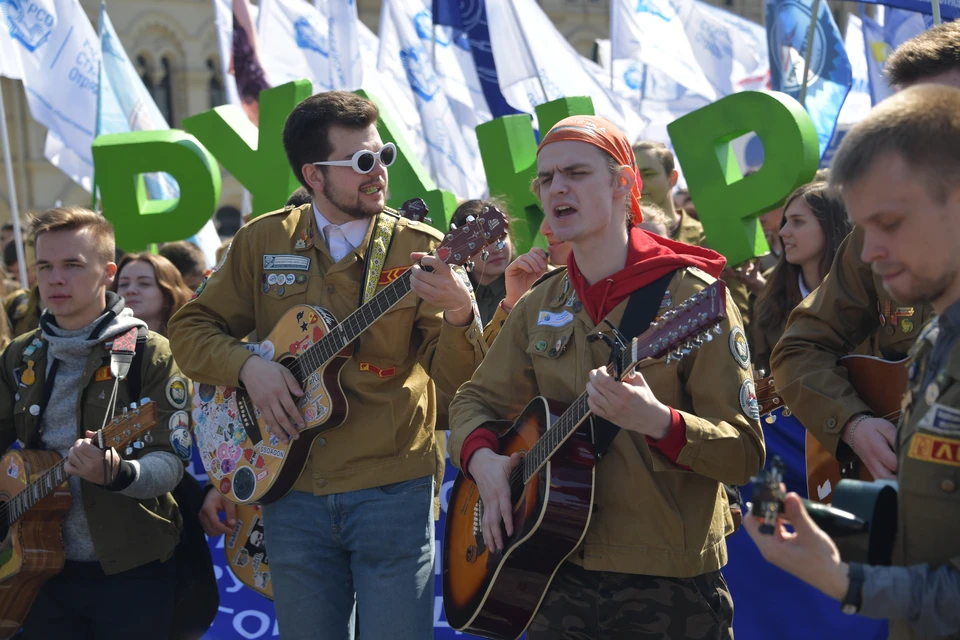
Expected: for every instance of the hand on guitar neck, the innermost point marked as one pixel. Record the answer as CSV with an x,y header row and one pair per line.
x,y
88,461
873,439
436,284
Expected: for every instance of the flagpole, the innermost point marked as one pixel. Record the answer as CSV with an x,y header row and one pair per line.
x,y
935,5
815,15
14,209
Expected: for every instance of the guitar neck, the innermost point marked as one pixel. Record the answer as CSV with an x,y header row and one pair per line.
x,y
352,326
36,491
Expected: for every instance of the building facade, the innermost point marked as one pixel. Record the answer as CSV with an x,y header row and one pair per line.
x,y
174,44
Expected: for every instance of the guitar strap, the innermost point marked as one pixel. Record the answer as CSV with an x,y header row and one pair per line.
x,y
124,349
376,255
642,309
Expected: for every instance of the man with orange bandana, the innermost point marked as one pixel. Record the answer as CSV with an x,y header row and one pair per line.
x,y
669,435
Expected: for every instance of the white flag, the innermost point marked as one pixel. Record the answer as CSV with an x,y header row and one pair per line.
x,y
345,61
652,32
531,53
389,84
60,60
858,101
305,34
223,12
9,56
454,160
731,51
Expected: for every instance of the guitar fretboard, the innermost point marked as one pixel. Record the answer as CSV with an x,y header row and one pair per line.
x,y
321,352
36,491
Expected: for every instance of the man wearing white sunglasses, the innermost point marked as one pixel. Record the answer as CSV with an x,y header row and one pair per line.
x,y
357,531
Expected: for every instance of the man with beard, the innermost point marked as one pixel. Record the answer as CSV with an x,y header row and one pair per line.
x,y
358,528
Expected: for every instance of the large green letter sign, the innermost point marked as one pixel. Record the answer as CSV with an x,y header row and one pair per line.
x,y
254,156
508,148
120,160
728,203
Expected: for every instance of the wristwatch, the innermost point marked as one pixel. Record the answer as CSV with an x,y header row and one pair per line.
x,y
854,599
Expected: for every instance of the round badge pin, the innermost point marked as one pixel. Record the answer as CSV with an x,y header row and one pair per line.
x,y
291,278
932,393
176,392
739,349
272,279
906,324
541,346
301,279
748,400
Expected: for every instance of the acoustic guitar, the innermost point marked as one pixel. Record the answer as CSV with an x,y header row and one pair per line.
x,y
496,595
245,549
243,465
34,502
881,385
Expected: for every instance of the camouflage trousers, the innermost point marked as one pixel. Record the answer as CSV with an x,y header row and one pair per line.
x,y
602,605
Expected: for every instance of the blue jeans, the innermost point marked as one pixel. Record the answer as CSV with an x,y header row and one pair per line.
x,y
372,548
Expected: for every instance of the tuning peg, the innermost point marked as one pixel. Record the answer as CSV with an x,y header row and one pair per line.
x,y
469,266
500,245
484,255
133,405
717,329
471,219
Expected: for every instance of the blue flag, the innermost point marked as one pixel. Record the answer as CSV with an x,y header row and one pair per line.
x,y
949,9
470,16
829,77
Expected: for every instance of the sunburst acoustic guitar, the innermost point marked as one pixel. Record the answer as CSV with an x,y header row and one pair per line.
x,y
34,502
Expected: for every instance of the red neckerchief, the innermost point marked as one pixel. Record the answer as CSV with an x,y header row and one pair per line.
x,y
649,257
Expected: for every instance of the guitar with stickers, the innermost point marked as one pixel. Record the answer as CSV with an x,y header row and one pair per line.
x,y
244,548
34,501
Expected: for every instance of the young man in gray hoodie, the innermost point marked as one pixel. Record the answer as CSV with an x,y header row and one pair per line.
x,y
56,390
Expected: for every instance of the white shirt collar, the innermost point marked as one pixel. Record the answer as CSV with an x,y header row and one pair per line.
x,y
804,292
355,230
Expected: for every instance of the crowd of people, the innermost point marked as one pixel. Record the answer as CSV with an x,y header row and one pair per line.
x,y
862,259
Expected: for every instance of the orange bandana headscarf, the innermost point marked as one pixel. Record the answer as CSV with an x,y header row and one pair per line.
x,y
604,135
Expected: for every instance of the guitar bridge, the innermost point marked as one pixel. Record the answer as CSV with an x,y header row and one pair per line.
x,y
247,420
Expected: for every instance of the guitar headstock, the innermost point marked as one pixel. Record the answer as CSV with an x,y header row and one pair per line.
x,y
682,329
767,396
459,245
129,426
415,210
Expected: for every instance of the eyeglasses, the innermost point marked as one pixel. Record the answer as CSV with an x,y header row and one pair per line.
x,y
364,161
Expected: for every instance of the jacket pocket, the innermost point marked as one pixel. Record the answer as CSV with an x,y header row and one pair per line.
x,y
391,338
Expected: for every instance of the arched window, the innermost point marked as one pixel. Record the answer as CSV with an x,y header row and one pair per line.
x,y
163,92
218,93
158,83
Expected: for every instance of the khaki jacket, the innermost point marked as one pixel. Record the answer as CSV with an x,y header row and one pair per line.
x,y
690,231
23,309
652,517
832,322
928,451
388,435
126,532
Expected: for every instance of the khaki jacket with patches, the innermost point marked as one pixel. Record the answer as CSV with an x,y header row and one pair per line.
x,y
843,312
652,516
928,471
388,435
126,532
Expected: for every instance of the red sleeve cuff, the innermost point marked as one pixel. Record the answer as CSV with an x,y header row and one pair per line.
x,y
480,439
676,439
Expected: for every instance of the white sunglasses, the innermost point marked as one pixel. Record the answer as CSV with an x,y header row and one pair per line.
x,y
364,161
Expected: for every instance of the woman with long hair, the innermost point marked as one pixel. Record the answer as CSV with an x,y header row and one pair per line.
x,y
152,288
814,224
